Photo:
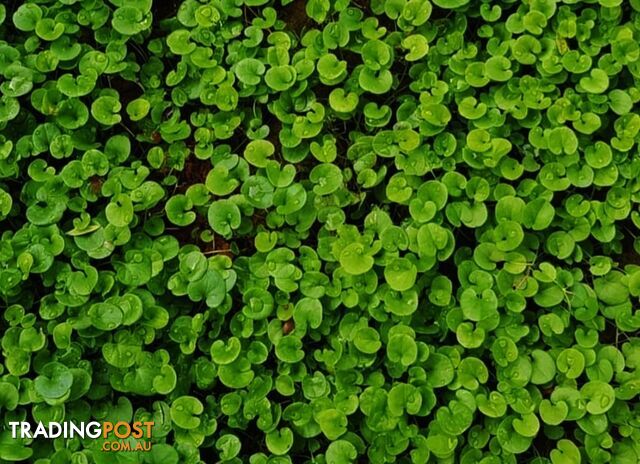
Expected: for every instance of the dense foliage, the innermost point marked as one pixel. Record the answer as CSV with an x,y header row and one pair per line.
x,y
323,231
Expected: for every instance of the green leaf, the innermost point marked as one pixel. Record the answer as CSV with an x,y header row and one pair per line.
x,y
333,423
279,442
354,259
224,216
54,382
185,412
106,110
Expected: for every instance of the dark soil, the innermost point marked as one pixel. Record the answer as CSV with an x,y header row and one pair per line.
x,y
295,16
195,172
164,9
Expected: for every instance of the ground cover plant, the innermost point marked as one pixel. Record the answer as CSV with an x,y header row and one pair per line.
x,y
322,231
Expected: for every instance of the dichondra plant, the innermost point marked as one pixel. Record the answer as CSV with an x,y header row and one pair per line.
x,y
320,231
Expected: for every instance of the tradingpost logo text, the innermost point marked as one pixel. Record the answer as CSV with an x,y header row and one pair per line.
x,y
117,436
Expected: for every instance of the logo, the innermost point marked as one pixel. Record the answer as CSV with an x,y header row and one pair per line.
x,y
118,436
